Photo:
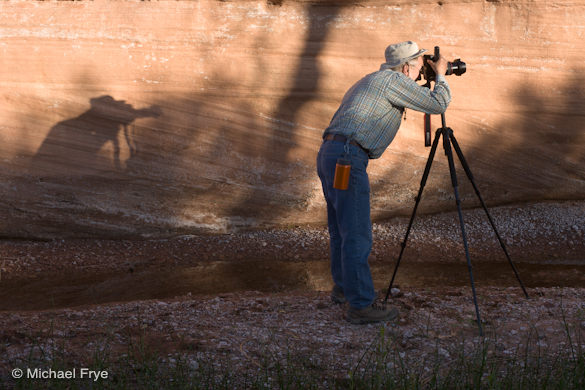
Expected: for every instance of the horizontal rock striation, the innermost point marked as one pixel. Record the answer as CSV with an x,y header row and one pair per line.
x,y
149,119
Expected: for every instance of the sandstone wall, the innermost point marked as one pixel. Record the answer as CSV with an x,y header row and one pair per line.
x,y
126,118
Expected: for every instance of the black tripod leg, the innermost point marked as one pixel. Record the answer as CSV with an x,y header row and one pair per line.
x,y
447,145
470,177
418,198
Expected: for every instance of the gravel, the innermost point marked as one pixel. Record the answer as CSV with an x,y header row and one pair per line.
x,y
544,232
241,329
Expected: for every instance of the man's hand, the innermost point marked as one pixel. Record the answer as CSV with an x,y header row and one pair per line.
x,y
439,66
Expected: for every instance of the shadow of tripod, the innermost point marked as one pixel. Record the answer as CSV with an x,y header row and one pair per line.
x,y
448,139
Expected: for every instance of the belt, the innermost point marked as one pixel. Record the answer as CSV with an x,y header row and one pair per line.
x,y
342,138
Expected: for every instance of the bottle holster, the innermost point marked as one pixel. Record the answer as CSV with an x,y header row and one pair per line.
x,y
342,170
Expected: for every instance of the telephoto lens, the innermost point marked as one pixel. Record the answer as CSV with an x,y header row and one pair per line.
x,y
456,67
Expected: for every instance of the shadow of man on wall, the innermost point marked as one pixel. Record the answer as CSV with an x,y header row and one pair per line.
x,y
74,146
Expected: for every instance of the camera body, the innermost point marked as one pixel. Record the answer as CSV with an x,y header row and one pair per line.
x,y
456,67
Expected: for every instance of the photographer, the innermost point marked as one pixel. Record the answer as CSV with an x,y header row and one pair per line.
x,y
362,128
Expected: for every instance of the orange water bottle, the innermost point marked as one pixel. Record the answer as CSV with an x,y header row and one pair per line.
x,y
342,169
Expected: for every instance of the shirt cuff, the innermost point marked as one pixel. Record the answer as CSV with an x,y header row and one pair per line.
x,y
440,79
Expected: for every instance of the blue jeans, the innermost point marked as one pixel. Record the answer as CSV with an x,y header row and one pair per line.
x,y
350,227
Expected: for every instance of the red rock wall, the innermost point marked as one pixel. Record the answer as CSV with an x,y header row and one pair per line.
x,y
151,118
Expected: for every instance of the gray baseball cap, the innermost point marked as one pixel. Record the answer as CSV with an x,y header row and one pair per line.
x,y
402,52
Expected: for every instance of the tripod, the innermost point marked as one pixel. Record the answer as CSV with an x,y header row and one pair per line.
x,y
448,139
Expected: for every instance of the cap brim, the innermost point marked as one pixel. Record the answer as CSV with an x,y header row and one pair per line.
x,y
418,54
409,58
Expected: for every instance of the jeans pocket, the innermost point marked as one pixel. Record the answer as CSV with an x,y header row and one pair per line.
x,y
360,163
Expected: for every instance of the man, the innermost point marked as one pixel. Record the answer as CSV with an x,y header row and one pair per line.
x,y
361,129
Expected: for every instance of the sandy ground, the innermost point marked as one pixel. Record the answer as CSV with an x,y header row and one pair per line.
x,y
235,299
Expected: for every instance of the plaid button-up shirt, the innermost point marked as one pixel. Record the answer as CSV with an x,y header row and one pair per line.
x,y
371,111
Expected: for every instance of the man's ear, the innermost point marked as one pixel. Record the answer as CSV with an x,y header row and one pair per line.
x,y
405,69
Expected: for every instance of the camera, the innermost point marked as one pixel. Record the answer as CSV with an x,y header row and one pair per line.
x,y
456,67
